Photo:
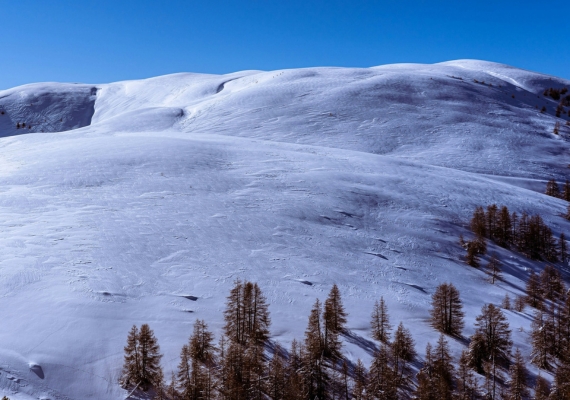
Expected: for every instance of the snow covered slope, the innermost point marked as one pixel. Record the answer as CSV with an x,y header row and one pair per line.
x,y
142,201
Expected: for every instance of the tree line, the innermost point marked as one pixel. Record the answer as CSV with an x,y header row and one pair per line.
x,y
245,364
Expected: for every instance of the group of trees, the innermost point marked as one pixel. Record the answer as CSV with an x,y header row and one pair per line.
x,y
559,94
526,233
241,365
552,189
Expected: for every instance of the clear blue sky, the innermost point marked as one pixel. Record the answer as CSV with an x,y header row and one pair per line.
x,y
103,41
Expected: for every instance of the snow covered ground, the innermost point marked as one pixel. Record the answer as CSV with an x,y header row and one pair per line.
x,y
142,201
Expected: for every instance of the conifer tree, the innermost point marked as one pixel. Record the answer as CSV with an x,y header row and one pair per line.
x,y
334,318
519,303
467,387
131,366
541,388
381,322
494,269
314,358
475,248
477,351
442,369
235,380
159,386
492,338
294,373
426,388
479,223
447,310
243,367
201,345
564,328
150,356
504,227
472,258
382,378
360,381
277,379
563,249
533,290
518,389
246,315
345,392
561,386
195,371
552,188
540,337
506,302
184,379
335,315
403,352
492,375
551,284
491,219
171,391
566,191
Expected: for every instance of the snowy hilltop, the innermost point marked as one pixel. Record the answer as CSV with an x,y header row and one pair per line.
x,y
143,201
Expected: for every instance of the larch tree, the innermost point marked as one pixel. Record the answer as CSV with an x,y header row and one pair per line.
x,y
504,227
403,352
295,386
315,372
246,315
466,383
160,387
380,322
494,269
563,249
184,381
334,320
566,191
491,341
447,310
442,369
491,219
479,223
360,381
277,378
541,388
131,365
540,339
552,188
201,354
334,312
534,291
247,321
561,386
564,328
519,304
426,388
382,381
171,390
551,283
506,304
518,389
150,356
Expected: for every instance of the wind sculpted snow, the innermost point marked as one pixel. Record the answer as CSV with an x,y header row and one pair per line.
x,y
157,194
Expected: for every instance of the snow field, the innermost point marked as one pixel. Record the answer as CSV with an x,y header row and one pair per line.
x,y
159,193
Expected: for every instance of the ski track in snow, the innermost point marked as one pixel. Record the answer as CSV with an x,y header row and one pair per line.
x,y
142,201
